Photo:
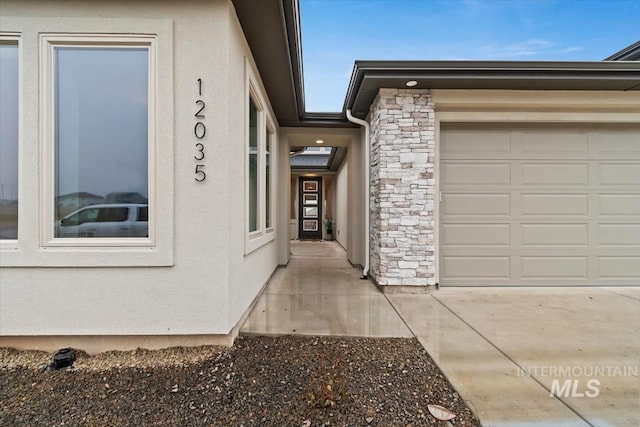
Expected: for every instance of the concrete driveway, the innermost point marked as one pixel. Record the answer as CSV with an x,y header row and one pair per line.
x,y
518,356
535,356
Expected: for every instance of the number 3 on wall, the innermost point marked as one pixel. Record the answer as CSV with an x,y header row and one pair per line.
x,y
200,150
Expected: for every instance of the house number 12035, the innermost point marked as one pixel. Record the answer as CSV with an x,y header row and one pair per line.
x,y
199,131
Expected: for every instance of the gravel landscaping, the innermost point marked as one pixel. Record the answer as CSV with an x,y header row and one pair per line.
x,y
261,381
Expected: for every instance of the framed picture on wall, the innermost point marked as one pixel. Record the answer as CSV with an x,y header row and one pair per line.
x,y
309,225
310,186
310,199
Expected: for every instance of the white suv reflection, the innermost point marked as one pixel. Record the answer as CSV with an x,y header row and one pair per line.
x,y
106,220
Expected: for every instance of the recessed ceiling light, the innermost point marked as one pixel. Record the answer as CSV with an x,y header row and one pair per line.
x,y
319,141
411,83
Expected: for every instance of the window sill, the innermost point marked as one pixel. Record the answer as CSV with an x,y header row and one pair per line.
x,y
256,241
88,257
9,245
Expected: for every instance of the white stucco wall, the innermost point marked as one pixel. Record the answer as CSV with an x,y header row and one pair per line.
x,y
358,191
342,197
248,272
203,282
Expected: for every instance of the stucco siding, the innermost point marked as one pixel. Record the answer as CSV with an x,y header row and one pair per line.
x,y
248,272
194,292
341,226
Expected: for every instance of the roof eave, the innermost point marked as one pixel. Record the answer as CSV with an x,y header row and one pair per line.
x,y
370,76
272,30
629,53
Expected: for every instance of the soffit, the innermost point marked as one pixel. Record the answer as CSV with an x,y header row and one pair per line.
x,y
271,28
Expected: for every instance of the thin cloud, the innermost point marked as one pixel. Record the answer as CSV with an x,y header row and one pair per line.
x,y
571,49
534,47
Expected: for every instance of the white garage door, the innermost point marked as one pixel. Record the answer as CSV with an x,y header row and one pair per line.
x,y
546,205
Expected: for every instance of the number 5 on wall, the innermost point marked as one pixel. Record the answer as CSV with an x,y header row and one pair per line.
x,y
200,175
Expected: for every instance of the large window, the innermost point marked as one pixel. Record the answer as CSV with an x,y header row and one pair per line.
x,y
260,149
86,134
100,121
267,178
9,108
253,166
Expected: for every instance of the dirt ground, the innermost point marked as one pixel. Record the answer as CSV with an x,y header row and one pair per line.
x,y
261,381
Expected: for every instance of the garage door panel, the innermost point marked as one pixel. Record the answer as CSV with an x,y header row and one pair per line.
x,y
554,234
476,235
554,267
476,204
619,174
470,142
556,204
567,214
476,174
618,234
620,267
619,204
469,267
557,142
616,142
555,174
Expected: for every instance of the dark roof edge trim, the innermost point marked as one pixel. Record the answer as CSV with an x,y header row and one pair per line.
x,y
320,122
492,65
629,53
511,71
291,18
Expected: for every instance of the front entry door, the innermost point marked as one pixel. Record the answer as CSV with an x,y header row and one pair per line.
x,y
310,211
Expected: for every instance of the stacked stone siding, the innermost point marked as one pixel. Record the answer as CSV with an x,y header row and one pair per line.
x,y
402,188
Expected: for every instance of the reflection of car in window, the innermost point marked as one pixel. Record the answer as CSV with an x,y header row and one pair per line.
x,y
106,220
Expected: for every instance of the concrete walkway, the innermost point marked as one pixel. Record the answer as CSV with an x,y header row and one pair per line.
x,y
504,349
320,293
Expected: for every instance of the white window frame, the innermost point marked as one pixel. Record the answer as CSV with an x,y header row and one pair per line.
x,y
266,129
31,250
257,101
48,45
271,140
15,38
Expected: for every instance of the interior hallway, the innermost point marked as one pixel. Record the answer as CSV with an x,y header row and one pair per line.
x,y
320,293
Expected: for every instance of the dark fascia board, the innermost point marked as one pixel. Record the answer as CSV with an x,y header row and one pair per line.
x,y
369,77
338,154
333,120
629,53
291,17
272,30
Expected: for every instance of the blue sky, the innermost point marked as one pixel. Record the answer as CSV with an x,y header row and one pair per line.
x,y
337,32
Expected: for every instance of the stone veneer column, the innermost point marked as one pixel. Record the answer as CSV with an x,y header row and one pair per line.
x,y
402,188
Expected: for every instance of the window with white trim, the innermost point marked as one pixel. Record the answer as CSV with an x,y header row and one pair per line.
x,y
254,184
9,124
267,177
260,149
99,141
